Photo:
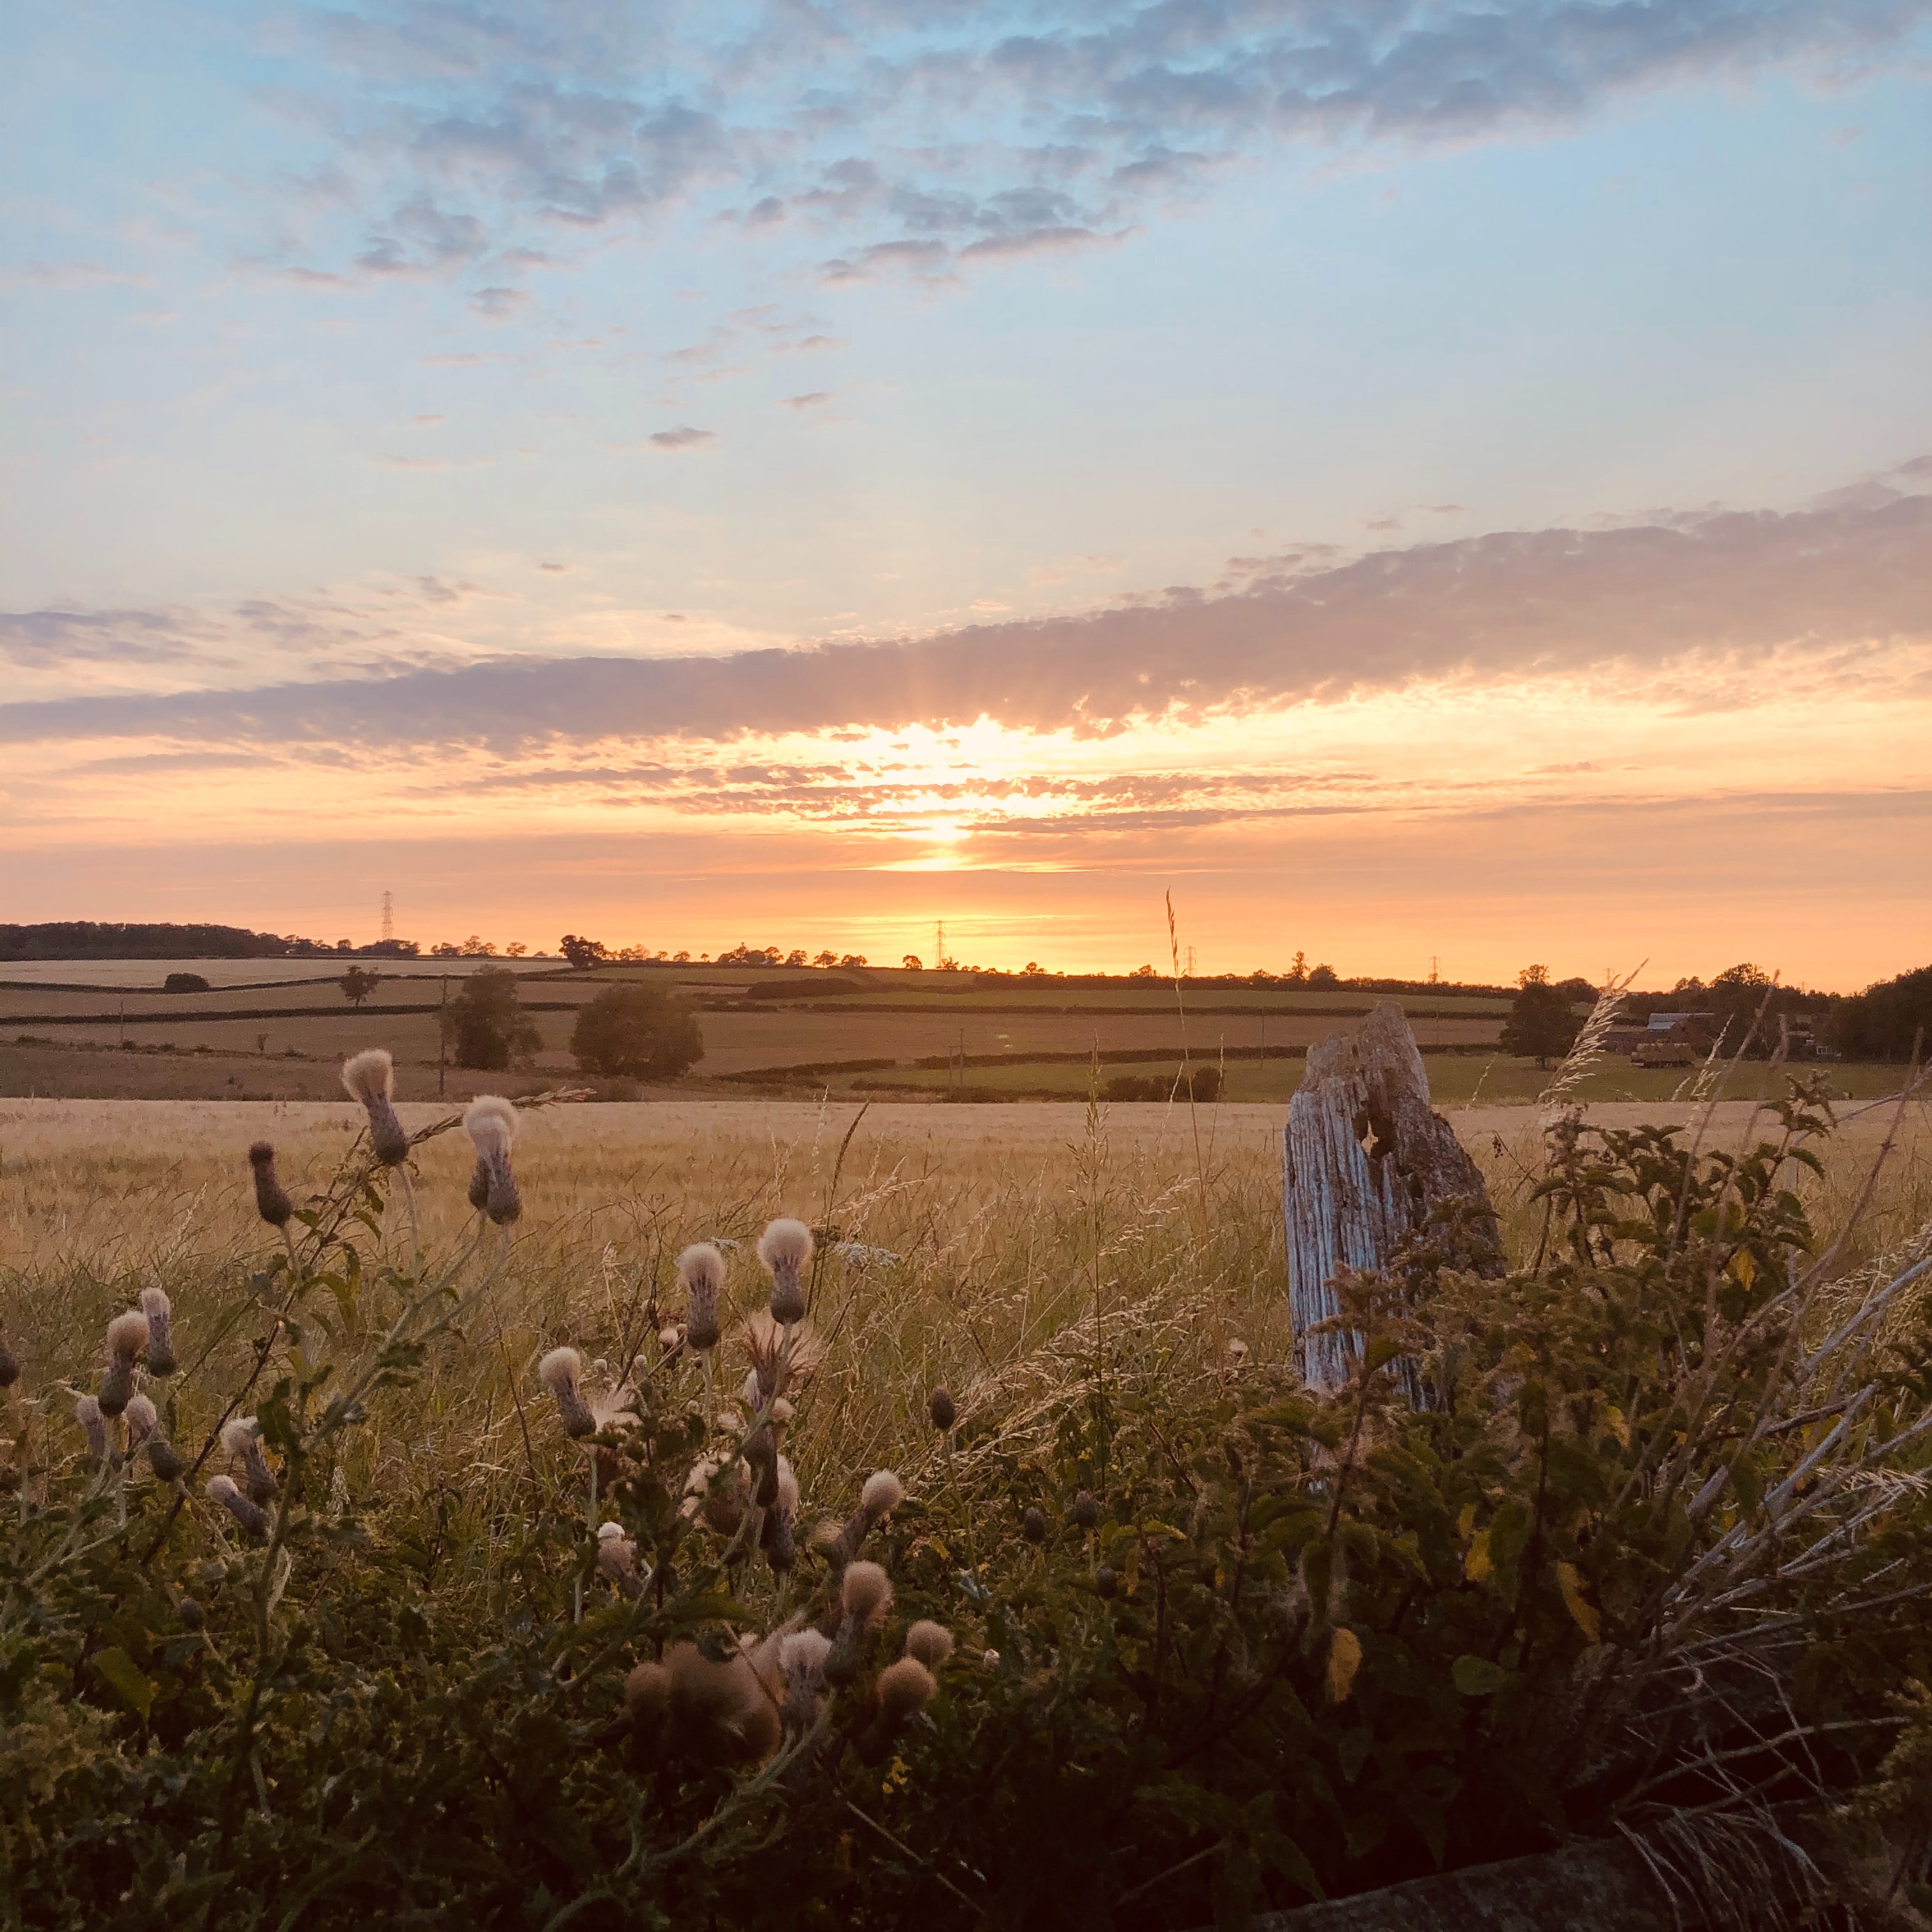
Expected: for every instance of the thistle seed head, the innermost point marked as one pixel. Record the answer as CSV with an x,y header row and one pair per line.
x,y
1106,1584
785,1249
701,1269
369,1076
1083,1512
720,1712
647,1700
669,1337
222,1489
143,1419
271,1198
904,1689
1032,1524
883,1493
562,1372
479,1187
192,1616
93,1426
164,1459
930,1642
241,1437
127,1336
865,1594
490,1121
617,1558
160,1311
943,1410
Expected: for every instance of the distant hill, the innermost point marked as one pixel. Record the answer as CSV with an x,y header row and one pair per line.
x,y
90,939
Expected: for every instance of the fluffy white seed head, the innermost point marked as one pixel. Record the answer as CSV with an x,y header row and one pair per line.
x,y
562,1372
866,1594
701,1269
490,1121
802,1653
930,1642
904,1689
701,1264
142,1420
160,1311
222,1489
785,1244
883,1493
126,1335
370,1075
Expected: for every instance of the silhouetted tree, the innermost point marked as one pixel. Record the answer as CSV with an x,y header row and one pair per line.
x,y
1542,1025
358,983
1888,1020
639,1030
583,953
486,1023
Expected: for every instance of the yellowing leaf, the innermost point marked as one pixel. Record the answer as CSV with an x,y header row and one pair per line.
x,y
1618,1423
1476,1565
1743,1269
1344,1659
1466,1521
1589,1619
119,1671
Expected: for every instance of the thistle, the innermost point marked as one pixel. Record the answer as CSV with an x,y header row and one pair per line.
x,y
143,1419
647,1700
780,1357
160,1311
87,1413
718,1712
778,1537
617,1559
930,1642
127,1337
144,1431
943,1409
904,1689
701,1269
221,1489
801,1656
785,1249
562,1372
241,1437
1083,1512
883,1493
865,1596
491,1123
271,1198
369,1076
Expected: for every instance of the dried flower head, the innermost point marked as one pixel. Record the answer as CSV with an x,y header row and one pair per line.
x,y
369,1076
222,1489
778,1537
127,1337
802,1658
1083,1512
1106,1584
865,1594
93,1426
271,1198
241,1437
883,1493
904,1689
143,1419
1237,1352
192,1616
720,1712
164,1459
10,1366
989,1661
701,1269
785,1249
931,1643
562,1372
1032,1524
669,1337
490,1121
647,1700
160,1311
943,1410
763,1342
617,1558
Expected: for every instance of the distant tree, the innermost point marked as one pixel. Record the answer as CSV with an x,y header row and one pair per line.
x,y
477,947
911,963
1744,999
1034,969
826,959
1141,973
447,949
358,983
640,1031
184,983
1577,987
1297,973
680,959
852,959
1534,976
485,1024
1890,1020
583,953
515,949
796,958
1541,1026
1205,1084
1324,976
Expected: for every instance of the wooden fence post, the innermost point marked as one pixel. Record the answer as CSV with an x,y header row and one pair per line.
x,y
1365,1158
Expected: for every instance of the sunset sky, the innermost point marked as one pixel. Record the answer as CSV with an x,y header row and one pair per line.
x,y
1412,480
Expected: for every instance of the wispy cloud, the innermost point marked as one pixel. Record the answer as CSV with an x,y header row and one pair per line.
x,y
683,437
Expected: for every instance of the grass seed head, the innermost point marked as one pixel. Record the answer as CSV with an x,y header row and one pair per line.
x,y
785,1249
160,1311
562,1372
369,1076
930,1642
241,1437
271,1198
222,1489
904,1689
701,1269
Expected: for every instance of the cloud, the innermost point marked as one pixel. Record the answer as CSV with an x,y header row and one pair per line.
x,y
810,399
683,437
1705,608
498,305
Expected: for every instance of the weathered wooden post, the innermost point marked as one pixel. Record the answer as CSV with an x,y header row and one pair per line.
x,y
1365,1160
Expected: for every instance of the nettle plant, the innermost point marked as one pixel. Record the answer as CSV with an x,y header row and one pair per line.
x,y
230,1695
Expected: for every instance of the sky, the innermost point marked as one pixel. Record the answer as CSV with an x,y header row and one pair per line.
x,y
1422,484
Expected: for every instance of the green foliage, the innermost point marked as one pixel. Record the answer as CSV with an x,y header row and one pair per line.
x,y
641,1029
1657,1537
485,1023
1890,1020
